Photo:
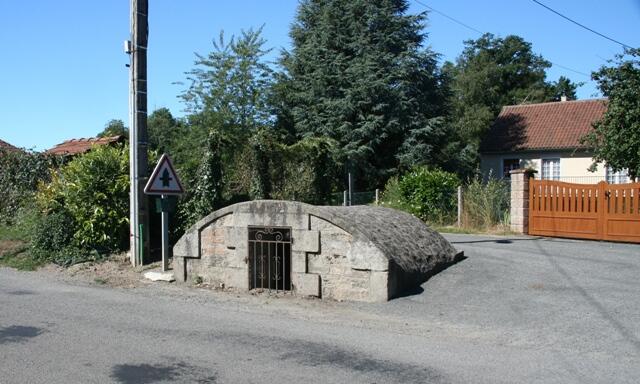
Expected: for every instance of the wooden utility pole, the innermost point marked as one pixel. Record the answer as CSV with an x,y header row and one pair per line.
x,y
139,207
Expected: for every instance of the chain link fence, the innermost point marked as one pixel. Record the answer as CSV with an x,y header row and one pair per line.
x,y
357,198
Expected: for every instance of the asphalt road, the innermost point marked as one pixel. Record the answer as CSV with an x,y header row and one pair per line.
x,y
517,310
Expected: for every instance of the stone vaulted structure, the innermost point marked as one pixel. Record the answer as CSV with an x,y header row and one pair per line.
x,y
360,253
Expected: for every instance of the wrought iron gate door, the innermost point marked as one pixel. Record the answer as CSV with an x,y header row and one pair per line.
x,y
270,258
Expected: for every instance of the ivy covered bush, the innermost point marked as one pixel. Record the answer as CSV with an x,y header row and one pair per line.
x,y
20,173
268,169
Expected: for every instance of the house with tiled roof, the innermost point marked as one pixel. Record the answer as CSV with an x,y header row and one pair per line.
x,y
78,146
546,137
7,147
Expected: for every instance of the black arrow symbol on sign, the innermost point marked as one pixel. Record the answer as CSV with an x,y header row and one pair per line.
x,y
166,178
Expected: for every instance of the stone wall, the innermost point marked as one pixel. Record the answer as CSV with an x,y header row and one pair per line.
x,y
320,252
338,279
341,253
520,200
218,264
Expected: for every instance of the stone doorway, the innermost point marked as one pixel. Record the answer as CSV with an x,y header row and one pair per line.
x,y
270,258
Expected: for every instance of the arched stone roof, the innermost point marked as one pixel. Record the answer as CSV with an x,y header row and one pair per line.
x,y
402,238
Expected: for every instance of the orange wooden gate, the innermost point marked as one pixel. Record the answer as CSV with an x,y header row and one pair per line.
x,y
601,211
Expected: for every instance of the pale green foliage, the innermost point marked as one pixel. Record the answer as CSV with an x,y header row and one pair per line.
x,y
485,203
392,196
616,137
229,86
93,189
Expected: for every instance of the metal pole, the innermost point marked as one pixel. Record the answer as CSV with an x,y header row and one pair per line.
x,y
344,198
377,196
459,206
165,233
350,190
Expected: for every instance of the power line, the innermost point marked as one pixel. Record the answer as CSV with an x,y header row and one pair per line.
x,y
569,69
581,25
482,33
449,17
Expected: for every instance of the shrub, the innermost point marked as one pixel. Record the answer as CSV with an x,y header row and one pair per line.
x,y
52,233
486,204
428,194
20,173
93,190
431,194
392,196
304,171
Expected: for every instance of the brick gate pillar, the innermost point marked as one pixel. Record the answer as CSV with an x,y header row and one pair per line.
x,y
520,199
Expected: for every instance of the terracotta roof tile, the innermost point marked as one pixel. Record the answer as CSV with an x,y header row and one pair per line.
x,y
556,125
6,146
76,146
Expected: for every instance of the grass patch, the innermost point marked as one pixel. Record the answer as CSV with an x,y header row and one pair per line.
x,y
100,281
496,230
12,233
16,255
14,249
454,229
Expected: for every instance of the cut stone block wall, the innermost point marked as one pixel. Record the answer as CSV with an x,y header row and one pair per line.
x,y
331,256
520,200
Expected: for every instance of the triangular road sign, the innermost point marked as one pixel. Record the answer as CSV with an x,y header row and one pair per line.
x,y
164,180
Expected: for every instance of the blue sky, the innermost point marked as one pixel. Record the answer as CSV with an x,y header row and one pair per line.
x,y
63,74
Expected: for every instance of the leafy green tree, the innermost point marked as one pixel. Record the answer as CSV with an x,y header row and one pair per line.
x,y
229,86
616,137
358,73
164,130
564,87
114,127
490,73
184,142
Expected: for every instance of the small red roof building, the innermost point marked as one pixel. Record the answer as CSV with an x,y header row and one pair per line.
x,y
544,126
78,146
7,147
546,137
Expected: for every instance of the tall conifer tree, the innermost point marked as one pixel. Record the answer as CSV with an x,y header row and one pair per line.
x,y
358,73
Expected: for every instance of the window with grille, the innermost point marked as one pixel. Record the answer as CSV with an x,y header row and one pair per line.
x,y
550,169
619,177
270,258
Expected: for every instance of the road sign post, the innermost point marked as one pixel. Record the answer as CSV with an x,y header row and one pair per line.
x,y
165,233
164,181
